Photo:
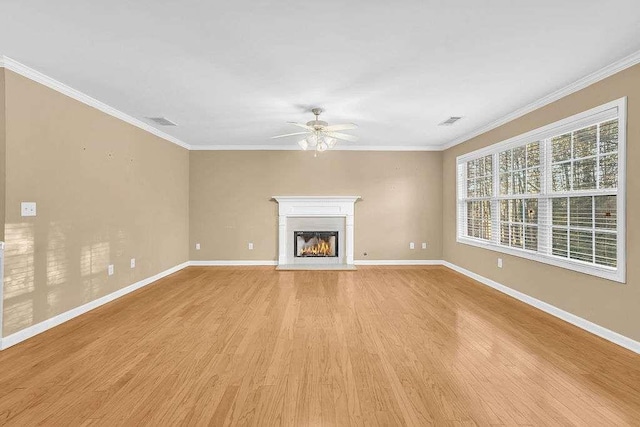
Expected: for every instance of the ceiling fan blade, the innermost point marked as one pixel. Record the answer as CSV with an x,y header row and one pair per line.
x,y
289,134
342,136
302,125
346,126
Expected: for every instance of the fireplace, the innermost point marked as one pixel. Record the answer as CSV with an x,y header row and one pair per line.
x,y
315,244
302,218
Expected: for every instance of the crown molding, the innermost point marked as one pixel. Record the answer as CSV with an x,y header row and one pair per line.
x,y
294,147
30,73
601,74
36,76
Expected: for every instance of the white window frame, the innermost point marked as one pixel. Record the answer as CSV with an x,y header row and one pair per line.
x,y
615,109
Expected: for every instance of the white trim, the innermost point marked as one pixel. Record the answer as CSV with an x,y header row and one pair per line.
x,y
601,74
621,250
45,325
219,263
315,206
614,109
313,199
588,117
578,321
398,262
574,265
38,77
582,83
294,147
588,326
23,70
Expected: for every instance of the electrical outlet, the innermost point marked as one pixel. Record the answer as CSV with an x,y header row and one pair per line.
x,y
412,245
28,208
110,270
133,263
424,245
250,246
197,246
499,262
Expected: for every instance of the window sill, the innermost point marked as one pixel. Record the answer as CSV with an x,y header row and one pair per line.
x,y
613,274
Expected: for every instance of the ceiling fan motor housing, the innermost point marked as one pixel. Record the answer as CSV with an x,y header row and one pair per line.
x,y
317,124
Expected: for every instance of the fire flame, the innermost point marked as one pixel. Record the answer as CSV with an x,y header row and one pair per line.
x,y
322,248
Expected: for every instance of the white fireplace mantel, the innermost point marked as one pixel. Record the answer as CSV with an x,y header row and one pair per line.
x,y
315,206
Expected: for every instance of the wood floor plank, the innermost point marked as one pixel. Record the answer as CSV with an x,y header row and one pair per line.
x,y
378,346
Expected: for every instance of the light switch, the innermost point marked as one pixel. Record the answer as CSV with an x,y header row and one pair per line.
x,y
133,263
499,262
28,208
110,270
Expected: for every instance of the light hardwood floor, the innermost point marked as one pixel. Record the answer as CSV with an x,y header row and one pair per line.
x,y
379,346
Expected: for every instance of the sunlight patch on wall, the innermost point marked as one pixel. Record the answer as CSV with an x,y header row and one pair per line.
x,y
120,240
18,315
19,260
94,260
56,256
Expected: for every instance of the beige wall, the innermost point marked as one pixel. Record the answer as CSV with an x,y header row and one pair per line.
x,y
609,304
106,191
231,190
2,155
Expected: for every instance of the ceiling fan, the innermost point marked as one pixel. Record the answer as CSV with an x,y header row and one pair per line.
x,y
320,136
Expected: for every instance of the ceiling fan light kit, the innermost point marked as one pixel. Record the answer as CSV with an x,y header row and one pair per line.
x,y
320,136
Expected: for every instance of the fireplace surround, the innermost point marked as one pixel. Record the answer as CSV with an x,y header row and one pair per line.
x,y
317,216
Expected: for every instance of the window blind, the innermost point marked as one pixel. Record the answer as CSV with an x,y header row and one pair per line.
x,y
554,195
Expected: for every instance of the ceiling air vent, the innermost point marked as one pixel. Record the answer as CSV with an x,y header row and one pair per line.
x,y
450,121
162,121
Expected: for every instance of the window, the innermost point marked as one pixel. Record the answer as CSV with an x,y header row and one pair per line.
x,y
519,177
479,192
554,195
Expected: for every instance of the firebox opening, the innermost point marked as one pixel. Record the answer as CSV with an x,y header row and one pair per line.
x,y
316,243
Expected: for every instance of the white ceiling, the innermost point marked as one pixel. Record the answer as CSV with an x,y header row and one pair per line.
x,y
232,73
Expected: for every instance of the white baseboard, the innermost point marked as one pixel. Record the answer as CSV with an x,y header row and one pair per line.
x,y
38,328
398,262
220,263
215,263
588,326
